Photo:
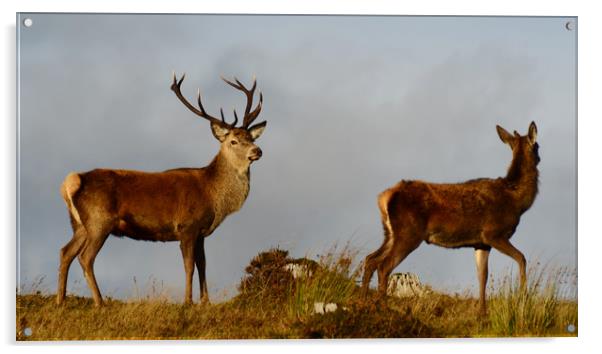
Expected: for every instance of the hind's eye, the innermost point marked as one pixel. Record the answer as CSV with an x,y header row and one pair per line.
x,y
234,142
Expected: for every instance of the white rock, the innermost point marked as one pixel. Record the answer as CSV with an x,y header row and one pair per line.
x,y
322,308
331,307
319,307
405,285
298,270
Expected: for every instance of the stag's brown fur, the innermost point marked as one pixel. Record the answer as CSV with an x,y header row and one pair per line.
x,y
185,204
481,213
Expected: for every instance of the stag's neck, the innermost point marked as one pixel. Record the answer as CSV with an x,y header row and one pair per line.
x,y
523,179
224,168
231,183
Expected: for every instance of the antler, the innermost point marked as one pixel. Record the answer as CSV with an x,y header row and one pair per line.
x,y
249,116
175,86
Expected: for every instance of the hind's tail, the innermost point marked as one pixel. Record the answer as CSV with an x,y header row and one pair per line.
x,y
383,205
70,186
375,259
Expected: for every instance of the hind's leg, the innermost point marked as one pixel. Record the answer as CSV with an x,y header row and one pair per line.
x,y
67,254
372,261
86,259
504,246
481,258
403,245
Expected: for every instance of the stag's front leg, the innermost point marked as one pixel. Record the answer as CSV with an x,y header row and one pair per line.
x,y
199,258
187,248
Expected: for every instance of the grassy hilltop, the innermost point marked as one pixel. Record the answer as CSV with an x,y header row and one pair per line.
x,y
273,304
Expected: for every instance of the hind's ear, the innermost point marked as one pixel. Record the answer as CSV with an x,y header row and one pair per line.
x,y
504,135
532,132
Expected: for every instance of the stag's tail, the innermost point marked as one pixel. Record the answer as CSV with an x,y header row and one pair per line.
x,y
70,186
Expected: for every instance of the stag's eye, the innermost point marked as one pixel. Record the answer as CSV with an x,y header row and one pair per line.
x,y
233,142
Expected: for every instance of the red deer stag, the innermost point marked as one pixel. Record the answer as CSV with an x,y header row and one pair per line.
x,y
184,204
481,213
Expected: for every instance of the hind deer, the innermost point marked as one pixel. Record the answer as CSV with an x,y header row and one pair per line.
x,y
481,213
184,204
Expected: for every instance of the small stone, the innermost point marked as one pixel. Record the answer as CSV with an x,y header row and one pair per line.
x,y
331,307
319,308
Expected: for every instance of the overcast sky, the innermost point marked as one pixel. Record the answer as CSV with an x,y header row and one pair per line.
x,y
353,105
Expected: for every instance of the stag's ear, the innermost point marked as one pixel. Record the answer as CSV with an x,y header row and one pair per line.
x,y
257,130
532,132
219,132
504,135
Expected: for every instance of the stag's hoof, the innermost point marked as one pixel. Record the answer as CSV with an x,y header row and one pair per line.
x,y
482,314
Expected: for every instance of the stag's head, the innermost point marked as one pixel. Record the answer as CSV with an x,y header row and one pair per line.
x,y
237,143
523,146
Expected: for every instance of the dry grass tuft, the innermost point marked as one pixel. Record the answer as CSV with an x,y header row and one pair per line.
x,y
542,308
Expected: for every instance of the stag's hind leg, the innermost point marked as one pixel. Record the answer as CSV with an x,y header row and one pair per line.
x,y
92,246
67,254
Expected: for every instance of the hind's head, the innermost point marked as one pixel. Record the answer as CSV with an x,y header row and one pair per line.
x,y
523,146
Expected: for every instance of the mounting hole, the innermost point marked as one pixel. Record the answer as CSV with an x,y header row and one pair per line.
x,y
28,22
569,26
571,328
27,332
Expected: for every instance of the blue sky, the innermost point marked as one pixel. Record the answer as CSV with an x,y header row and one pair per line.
x,y
353,104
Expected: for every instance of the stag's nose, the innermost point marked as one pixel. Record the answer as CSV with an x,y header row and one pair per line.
x,y
256,154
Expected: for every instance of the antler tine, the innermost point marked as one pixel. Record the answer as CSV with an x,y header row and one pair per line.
x,y
221,112
177,83
176,88
249,116
238,85
198,100
235,118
